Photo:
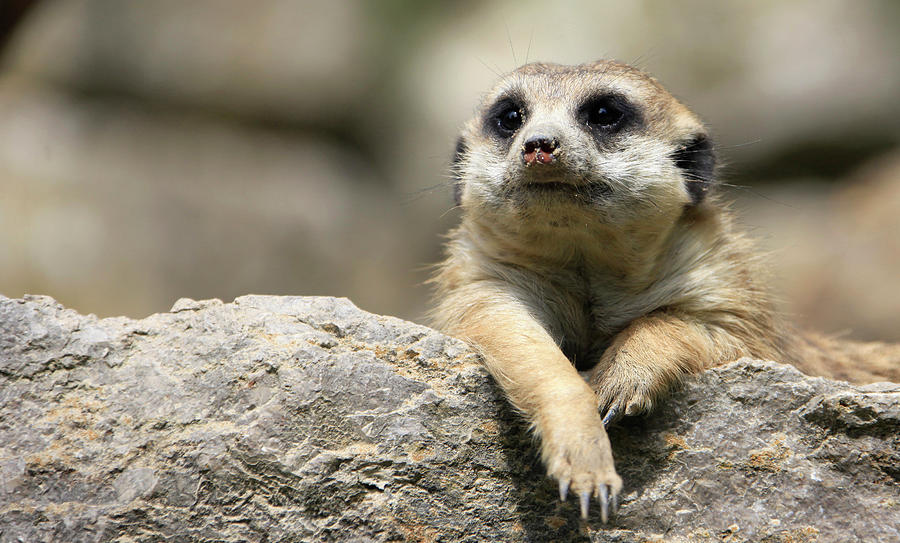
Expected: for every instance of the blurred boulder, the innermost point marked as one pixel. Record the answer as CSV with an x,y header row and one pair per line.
x,y
836,249
123,209
285,60
152,150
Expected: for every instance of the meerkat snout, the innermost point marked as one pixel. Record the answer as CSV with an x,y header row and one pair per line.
x,y
539,149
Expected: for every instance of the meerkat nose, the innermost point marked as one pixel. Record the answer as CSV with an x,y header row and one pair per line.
x,y
539,150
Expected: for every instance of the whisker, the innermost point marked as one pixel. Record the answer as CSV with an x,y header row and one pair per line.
x,y
414,196
485,64
754,192
530,39
445,213
737,145
511,48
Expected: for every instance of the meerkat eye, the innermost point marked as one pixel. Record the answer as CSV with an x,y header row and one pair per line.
x,y
509,119
604,112
505,117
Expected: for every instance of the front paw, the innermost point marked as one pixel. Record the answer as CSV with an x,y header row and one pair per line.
x,y
580,458
624,391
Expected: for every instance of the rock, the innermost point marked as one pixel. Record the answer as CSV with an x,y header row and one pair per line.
x,y
307,419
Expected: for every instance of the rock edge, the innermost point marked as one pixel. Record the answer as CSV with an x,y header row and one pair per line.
x,y
306,419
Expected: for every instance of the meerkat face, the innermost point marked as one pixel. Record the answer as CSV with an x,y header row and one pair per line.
x,y
596,142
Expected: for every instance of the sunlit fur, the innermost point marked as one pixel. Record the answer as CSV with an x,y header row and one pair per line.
x,y
622,274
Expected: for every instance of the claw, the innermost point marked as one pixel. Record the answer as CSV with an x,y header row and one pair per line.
x,y
614,504
611,416
585,497
604,503
563,490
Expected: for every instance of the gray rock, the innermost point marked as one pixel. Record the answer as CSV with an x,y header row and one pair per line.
x,y
306,419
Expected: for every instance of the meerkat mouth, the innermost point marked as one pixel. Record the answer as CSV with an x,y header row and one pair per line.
x,y
553,186
576,191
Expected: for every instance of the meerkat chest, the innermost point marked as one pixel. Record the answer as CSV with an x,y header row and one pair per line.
x,y
584,311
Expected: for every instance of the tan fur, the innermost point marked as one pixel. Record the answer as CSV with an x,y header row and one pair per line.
x,y
641,284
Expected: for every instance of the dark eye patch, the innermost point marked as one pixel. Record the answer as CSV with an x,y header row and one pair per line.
x,y
607,113
697,159
505,117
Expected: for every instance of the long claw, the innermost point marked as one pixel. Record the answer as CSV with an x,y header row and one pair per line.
x,y
585,498
563,490
604,503
611,416
614,503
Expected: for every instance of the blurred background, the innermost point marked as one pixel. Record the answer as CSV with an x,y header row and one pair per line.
x,y
213,148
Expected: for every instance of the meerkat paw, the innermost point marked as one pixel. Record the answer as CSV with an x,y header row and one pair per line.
x,y
621,393
581,461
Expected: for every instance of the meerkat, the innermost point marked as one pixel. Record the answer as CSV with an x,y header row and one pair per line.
x,y
594,266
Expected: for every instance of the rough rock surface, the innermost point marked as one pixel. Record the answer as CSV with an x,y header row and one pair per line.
x,y
306,419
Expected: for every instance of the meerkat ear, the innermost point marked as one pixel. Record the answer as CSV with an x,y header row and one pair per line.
x,y
454,168
698,160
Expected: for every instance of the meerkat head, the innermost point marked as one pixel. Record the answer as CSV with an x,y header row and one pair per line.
x,y
600,142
